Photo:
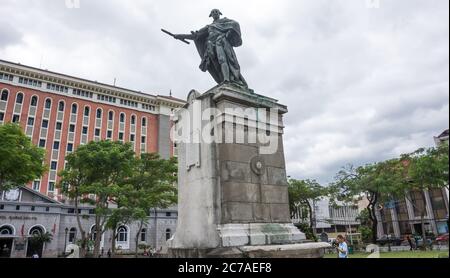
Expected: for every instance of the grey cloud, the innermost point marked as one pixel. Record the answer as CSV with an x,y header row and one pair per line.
x,y
361,84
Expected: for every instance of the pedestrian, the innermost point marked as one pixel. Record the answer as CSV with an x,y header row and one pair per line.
x,y
109,253
342,247
408,238
416,239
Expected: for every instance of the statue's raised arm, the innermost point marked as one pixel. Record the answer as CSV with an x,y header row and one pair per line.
x,y
215,44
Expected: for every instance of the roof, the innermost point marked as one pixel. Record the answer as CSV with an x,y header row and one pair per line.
x,y
95,83
444,134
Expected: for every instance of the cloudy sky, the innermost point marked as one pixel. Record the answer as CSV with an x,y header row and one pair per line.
x,y
364,80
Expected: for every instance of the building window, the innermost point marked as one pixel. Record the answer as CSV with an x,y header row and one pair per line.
x,y
109,134
72,235
70,147
144,235
99,113
36,185
16,119
72,128
44,123
34,101
168,214
56,145
168,234
2,116
17,207
31,121
6,230
74,108
85,130
42,143
61,106
143,138
51,187
120,135
33,208
111,115
97,132
4,95
19,98
54,165
122,118
144,121
133,120
86,111
132,137
36,230
122,234
48,104
58,126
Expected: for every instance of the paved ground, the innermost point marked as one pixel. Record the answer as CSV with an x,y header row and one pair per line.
x,y
398,255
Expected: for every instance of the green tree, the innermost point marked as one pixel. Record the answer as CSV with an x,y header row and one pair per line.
x,y
151,186
378,182
94,174
302,195
423,170
20,161
366,225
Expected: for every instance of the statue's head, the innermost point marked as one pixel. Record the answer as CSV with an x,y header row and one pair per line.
x,y
215,14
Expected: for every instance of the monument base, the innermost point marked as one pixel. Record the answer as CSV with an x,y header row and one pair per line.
x,y
302,250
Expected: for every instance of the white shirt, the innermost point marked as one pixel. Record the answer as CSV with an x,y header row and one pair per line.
x,y
344,248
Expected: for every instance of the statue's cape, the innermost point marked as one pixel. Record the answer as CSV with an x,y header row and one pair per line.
x,y
235,40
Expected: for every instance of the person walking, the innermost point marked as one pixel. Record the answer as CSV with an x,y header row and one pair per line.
x,y
411,245
342,247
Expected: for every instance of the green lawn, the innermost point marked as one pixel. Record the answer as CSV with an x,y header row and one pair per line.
x,y
398,255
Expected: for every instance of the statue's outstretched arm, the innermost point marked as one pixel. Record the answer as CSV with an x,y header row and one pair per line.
x,y
193,35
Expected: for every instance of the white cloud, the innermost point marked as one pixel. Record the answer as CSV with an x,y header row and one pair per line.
x,y
361,84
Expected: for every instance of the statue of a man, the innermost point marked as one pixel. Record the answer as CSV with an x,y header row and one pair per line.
x,y
215,44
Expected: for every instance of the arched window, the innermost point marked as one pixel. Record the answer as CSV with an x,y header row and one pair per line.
x,y
122,117
93,233
74,108
36,230
34,101
48,104
143,235
144,121
86,111
99,113
72,235
111,115
168,234
61,106
6,230
133,120
19,98
4,95
122,234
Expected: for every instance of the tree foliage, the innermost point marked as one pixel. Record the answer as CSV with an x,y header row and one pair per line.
x,y
20,161
94,174
302,196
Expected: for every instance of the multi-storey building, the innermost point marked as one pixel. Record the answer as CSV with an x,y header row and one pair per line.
x,y
60,113
403,217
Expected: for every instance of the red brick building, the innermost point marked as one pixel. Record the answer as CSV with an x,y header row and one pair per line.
x,y
60,112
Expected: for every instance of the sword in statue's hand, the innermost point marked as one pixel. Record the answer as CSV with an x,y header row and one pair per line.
x,y
173,36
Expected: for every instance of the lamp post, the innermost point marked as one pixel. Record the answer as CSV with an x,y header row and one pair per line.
x,y
66,230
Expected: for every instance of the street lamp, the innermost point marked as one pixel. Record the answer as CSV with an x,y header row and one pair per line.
x,y
66,230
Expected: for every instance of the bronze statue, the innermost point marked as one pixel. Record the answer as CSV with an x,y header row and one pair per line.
x,y
215,44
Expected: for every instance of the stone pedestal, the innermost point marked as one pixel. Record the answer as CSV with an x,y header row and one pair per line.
x,y
233,192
